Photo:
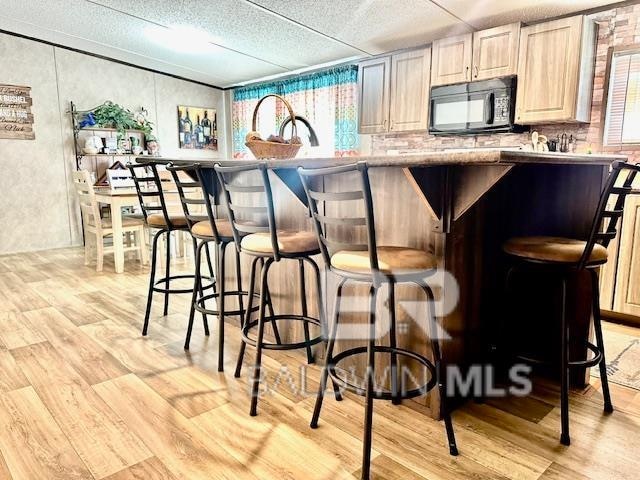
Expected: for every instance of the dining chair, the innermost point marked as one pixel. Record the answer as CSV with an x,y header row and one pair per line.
x,y
96,228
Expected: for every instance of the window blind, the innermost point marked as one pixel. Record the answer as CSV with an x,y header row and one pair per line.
x,y
622,124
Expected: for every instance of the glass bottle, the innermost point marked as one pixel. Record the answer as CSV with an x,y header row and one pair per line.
x,y
188,129
181,127
206,128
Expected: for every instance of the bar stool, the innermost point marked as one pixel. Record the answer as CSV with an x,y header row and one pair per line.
x,y
261,239
374,265
154,209
560,257
192,190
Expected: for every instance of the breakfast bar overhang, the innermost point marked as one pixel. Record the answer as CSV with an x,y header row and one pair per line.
x,y
460,205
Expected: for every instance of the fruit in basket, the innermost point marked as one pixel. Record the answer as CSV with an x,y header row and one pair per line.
x,y
295,141
252,136
276,139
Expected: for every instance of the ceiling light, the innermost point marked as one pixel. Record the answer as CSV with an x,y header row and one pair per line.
x,y
181,38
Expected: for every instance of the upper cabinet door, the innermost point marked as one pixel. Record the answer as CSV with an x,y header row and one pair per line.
x,y
495,52
451,60
374,77
555,71
410,77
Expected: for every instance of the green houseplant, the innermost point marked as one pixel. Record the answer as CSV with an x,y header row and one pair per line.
x,y
112,115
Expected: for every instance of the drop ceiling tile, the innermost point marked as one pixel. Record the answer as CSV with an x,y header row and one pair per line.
x,y
244,27
486,14
109,52
90,27
376,26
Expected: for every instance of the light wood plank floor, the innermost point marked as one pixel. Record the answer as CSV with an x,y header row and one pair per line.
x,y
84,396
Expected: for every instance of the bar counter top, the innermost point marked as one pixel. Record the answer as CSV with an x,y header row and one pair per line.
x,y
474,156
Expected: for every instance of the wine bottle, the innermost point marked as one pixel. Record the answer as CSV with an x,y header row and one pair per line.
x,y
181,127
206,128
188,129
198,134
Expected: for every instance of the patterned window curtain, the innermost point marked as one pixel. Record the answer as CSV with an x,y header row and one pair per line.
x,y
327,99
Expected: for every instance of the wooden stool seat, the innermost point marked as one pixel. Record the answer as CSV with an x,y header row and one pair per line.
x,y
391,260
203,229
288,242
553,249
157,220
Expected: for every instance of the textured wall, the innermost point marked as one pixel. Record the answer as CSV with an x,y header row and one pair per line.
x,y
619,26
37,202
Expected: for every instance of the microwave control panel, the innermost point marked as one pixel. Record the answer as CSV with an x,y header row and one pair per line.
x,y
501,108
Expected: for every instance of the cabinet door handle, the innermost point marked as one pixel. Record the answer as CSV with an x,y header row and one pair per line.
x,y
475,71
384,124
466,75
391,125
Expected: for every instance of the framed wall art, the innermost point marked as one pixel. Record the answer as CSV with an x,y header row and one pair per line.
x,y
197,128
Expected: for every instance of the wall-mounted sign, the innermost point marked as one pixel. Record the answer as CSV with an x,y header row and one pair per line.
x,y
16,119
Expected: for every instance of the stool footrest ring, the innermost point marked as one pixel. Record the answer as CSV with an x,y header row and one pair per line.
x,y
163,281
592,362
282,346
200,305
379,394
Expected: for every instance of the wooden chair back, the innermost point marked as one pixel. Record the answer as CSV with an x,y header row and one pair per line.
x,y
87,198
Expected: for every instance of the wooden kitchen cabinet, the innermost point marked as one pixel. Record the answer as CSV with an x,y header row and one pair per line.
x,y
626,298
495,52
409,99
481,55
451,60
394,92
373,79
555,71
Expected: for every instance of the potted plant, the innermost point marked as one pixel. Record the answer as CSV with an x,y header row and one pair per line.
x,y
112,115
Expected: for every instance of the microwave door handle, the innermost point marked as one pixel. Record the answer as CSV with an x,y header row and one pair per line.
x,y
489,111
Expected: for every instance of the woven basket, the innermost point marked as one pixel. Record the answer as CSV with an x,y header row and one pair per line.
x,y
264,149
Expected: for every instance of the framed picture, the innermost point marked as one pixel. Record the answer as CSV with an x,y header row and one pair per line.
x,y
197,128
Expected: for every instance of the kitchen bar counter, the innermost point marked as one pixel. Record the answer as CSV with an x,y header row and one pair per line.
x,y
476,156
460,205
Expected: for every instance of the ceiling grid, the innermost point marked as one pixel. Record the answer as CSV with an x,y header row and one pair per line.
x,y
230,42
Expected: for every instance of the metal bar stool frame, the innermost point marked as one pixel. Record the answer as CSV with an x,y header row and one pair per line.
x,y
151,179
191,200
602,235
267,259
376,278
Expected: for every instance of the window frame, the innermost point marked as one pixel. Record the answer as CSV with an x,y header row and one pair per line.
x,y
616,50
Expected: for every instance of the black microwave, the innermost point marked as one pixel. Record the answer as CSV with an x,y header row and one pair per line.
x,y
485,106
